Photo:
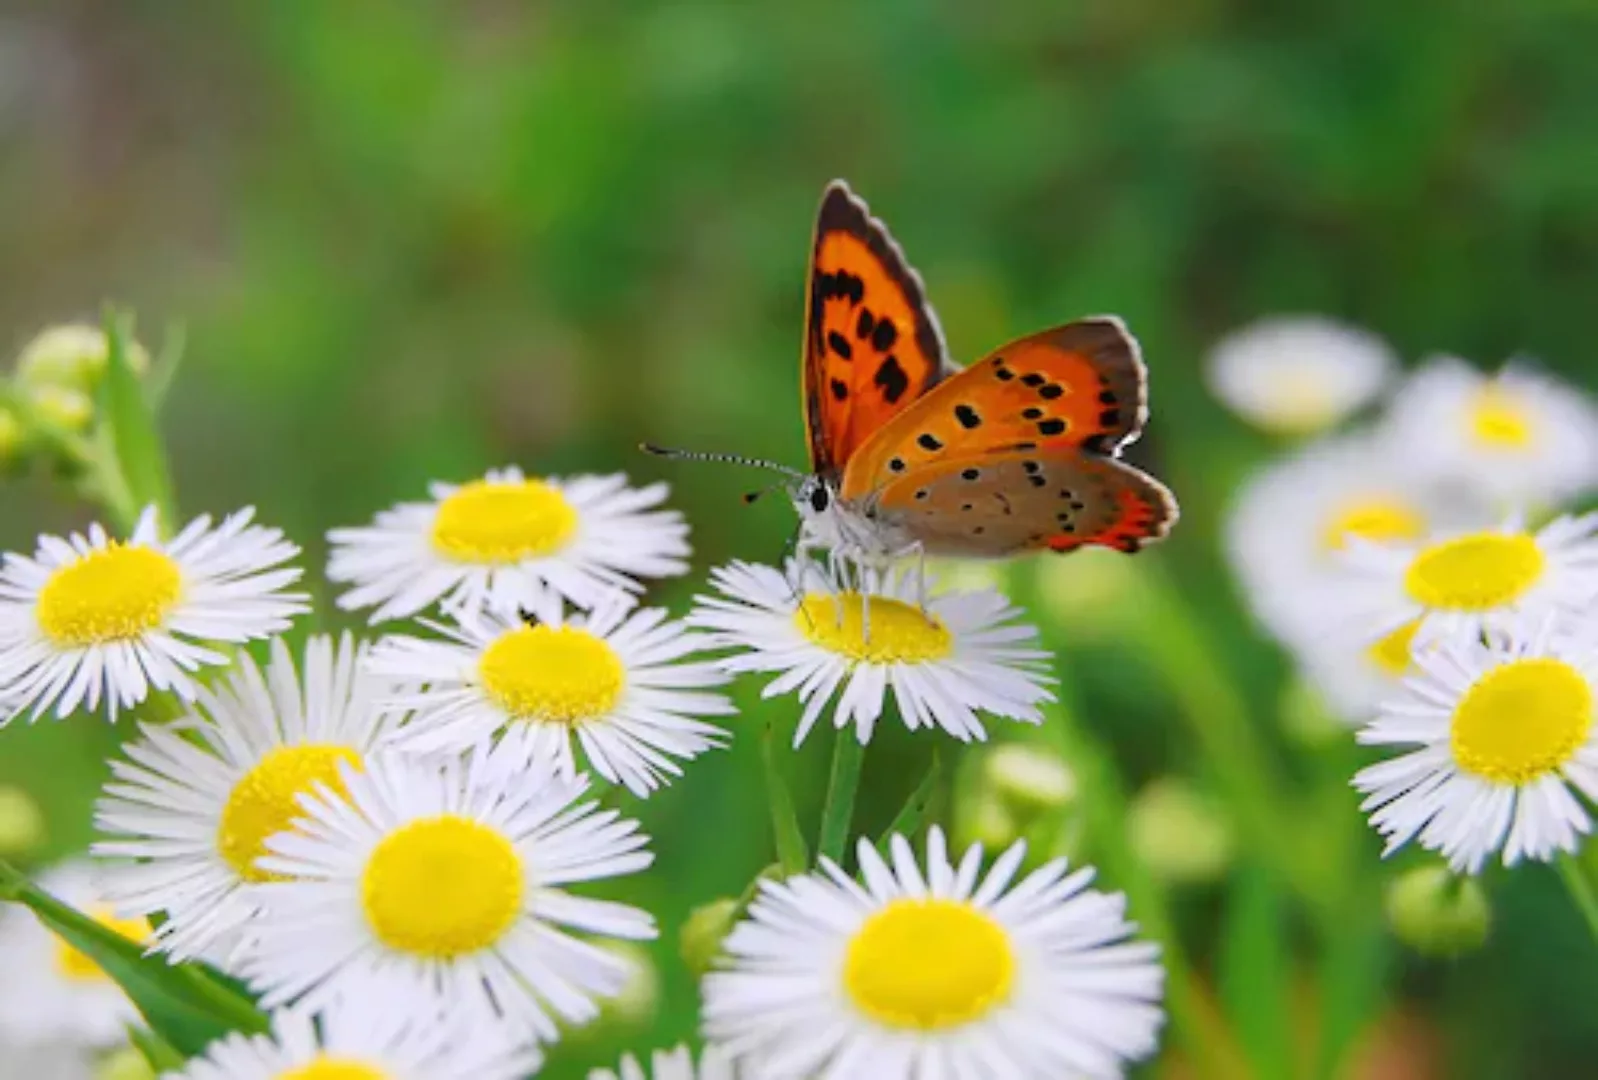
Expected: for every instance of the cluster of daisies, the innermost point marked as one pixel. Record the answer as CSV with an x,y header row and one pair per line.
x,y
1424,569
392,842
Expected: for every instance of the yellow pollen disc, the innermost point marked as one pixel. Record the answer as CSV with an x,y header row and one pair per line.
x,y
1498,421
323,1067
265,801
74,966
112,594
1377,520
928,964
1522,720
554,674
490,521
1394,652
899,633
442,887
1474,573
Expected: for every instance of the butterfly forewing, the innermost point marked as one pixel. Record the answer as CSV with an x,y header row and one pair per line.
x,y
1056,498
872,344
1081,385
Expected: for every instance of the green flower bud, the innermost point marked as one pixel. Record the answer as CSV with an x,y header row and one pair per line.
x,y
1437,913
74,356
22,826
125,1064
982,818
62,407
639,1000
1028,778
1180,833
707,926
13,438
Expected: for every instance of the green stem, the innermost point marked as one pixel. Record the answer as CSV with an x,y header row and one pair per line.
x,y
1580,887
848,754
790,841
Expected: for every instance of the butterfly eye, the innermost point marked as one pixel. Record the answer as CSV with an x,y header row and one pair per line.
x,y
819,499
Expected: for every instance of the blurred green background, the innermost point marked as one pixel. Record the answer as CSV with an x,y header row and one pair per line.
x,y
411,241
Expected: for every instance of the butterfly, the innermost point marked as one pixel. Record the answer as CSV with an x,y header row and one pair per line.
x,y
913,455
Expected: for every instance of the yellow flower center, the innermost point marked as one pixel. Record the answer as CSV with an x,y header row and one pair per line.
x,y
323,1067
1522,720
442,887
265,801
556,674
74,966
928,964
1376,520
1474,573
112,594
1394,652
899,633
1498,421
491,521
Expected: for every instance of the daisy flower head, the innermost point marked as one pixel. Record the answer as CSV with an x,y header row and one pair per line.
x,y
674,1064
52,994
935,972
359,1041
446,883
618,682
502,541
187,813
1410,594
1292,520
964,654
1498,738
1298,375
89,617
1515,438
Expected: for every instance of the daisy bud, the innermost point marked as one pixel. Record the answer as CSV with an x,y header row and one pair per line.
x,y
72,356
125,1064
13,437
1437,913
22,827
639,999
699,941
1178,831
983,818
1028,778
62,406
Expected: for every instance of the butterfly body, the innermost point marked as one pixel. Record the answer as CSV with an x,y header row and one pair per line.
x,y
912,455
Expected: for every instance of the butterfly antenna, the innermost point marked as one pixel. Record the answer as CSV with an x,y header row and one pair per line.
x,y
731,459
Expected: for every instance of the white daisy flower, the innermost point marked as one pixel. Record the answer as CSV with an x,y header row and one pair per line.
x,y
674,1064
1517,438
933,974
503,541
189,812
1298,374
1290,521
359,1041
90,617
52,995
963,655
1467,581
1498,732
617,684
445,883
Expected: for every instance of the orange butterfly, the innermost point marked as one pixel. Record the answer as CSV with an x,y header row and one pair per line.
x,y
911,455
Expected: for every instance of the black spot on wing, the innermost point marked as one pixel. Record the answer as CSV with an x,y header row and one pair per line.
x,y
967,416
928,441
971,474
1051,391
839,344
1033,379
840,284
840,389
884,335
1054,426
891,377
863,325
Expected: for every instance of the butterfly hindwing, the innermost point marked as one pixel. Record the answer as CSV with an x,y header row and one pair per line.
x,y
1078,386
1056,498
872,344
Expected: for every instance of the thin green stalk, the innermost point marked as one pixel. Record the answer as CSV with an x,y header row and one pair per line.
x,y
792,853
848,754
1580,888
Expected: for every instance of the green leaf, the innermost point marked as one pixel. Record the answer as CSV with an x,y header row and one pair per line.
x,y
843,783
164,369
792,852
914,810
158,1053
188,1005
1254,969
140,459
